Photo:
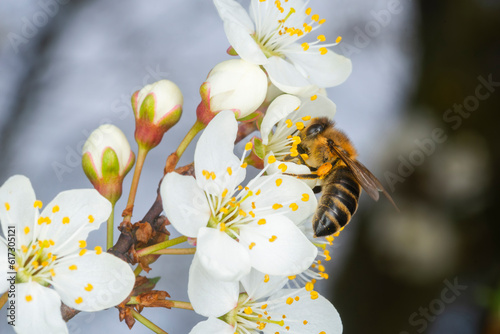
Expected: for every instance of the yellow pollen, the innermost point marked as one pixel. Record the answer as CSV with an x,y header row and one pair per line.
x,y
26,230
244,165
229,171
305,197
91,219
261,221
224,193
35,264
73,267
82,243
282,167
294,206
222,227
299,125
52,272
224,210
283,316
242,213
315,17
289,300
55,209
24,249
98,250
258,192
321,268
89,287
82,252
248,146
309,286
321,38
212,175
253,205
287,328
294,152
314,97
65,220
51,242
305,46
296,140
45,264
248,310
251,245
323,332
264,306
322,21
297,298
29,298
278,182
292,277
79,300
251,214
306,118
308,11
40,220
273,238
38,204
271,159
304,156
7,206
304,322
307,28
277,206
338,39
323,50
240,187
314,295
289,123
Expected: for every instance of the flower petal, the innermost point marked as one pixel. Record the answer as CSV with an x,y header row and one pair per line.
x,y
223,257
17,199
208,295
280,248
73,215
242,42
4,268
287,77
98,282
232,11
257,285
305,315
214,153
185,204
296,198
322,106
38,310
325,70
212,326
280,108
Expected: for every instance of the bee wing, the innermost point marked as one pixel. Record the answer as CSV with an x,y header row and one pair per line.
x,y
366,179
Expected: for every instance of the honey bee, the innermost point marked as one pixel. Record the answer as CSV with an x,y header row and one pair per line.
x,y
331,156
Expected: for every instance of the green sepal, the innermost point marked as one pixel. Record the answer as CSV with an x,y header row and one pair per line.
x,y
259,148
147,111
89,168
110,164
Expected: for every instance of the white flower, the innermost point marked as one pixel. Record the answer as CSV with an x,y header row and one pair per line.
x,y
270,36
234,85
285,116
49,250
263,307
239,227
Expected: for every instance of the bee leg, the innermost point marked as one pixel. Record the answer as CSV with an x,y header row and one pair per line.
x,y
299,157
324,169
304,176
317,189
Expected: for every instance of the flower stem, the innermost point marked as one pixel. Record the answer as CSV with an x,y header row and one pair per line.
x,y
174,157
111,227
141,157
3,299
175,251
161,245
182,305
137,270
146,322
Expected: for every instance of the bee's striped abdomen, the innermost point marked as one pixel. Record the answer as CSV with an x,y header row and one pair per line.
x,y
338,202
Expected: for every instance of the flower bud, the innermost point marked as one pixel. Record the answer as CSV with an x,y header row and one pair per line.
x,y
157,107
234,85
106,159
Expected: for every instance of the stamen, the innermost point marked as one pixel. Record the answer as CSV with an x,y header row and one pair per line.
x,y
7,206
55,209
65,220
338,39
38,204
321,38
91,219
323,50
98,250
248,146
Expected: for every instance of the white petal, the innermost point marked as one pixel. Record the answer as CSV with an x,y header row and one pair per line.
x,y
291,168
185,204
42,314
289,192
257,286
289,252
223,257
322,106
280,108
320,314
4,269
326,70
243,43
286,76
214,153
232,11
18,195
84,210
208,295
212,326
111,281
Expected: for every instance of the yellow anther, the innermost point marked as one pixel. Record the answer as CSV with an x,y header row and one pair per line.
x,y
91,219
89,287
251,245
51,242
52,272
261,221
65,220
242,213
278,182
248,310
38,204
273,238
26,230
229,171
305,197
294,206
297,298
212,175
45,264
322,21
224,193
305,46
224,210
266,278
7,206
55,209
292,277
321,38
82,243
289,300
98,250
338,39
35,264
321,268
304,156
315,17
28,298
251,214
79,300
304,322
222,227
73,267
24,249
299,125
288,123
271,159
309,286
248,146
314,295
307,28
40,220
82,252
308,11
244,165
294,152
323,50
277,206
305,119
282,167
314,97
258,192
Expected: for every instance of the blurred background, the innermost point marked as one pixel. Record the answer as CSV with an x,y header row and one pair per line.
x,y
426,75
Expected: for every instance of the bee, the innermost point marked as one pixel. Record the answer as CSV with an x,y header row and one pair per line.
x,y
331,156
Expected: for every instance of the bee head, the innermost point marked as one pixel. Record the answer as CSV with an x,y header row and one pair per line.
x,y
316,127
